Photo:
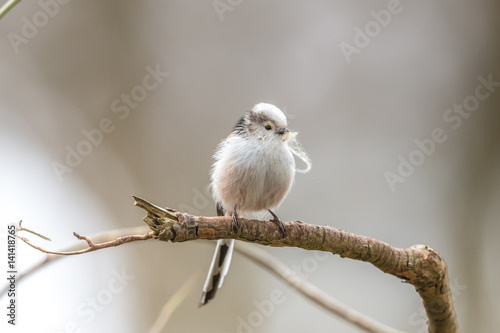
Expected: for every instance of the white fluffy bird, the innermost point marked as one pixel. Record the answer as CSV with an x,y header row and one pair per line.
x,y
253,171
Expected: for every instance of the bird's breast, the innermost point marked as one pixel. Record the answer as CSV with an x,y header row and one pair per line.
x,y
252,176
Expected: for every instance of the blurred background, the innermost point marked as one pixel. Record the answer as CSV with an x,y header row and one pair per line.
x,y
397,104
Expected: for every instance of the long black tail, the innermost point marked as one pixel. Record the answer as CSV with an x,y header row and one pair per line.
x,y
219,267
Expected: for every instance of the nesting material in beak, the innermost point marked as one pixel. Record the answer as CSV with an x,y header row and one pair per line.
x,y
285,132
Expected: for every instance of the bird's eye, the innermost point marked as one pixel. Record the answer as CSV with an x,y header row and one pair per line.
x,y
268,127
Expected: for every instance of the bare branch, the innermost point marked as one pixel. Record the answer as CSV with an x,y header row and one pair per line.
x,y
91,246
173,303
310,291
7,7
20,228
418,265
258,256
98,238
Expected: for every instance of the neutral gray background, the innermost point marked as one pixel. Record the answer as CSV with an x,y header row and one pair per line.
x,y
355,120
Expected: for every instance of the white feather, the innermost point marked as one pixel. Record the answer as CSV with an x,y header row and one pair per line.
x,y
253,170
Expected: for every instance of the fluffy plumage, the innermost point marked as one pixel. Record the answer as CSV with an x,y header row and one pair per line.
x,y
253,171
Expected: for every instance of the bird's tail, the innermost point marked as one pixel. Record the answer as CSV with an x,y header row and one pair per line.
x,y
218,269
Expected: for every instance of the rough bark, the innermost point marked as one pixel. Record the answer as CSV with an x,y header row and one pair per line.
x,y
418,265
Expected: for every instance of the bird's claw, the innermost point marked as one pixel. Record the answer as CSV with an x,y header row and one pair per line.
x,y
277,220
236,223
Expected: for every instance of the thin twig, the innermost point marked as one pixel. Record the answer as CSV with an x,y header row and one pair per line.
x,y
277,268
98,238
91,246
173,303
7,7
20,228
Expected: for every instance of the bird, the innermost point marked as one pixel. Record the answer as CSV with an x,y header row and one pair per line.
x,y
253,171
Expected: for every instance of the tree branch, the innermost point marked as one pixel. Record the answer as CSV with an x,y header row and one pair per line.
x,y
7,7
174,301
260,257
91,245
103,237
276,267
418,265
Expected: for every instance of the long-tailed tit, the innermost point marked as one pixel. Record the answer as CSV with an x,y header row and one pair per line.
x,y
253,171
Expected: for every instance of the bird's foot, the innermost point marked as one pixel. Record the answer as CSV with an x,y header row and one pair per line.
x,y
236,223
277,220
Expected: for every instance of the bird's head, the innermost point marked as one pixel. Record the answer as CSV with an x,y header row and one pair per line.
x,y
265,122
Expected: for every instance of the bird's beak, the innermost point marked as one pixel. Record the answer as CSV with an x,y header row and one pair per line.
x,y
285,132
